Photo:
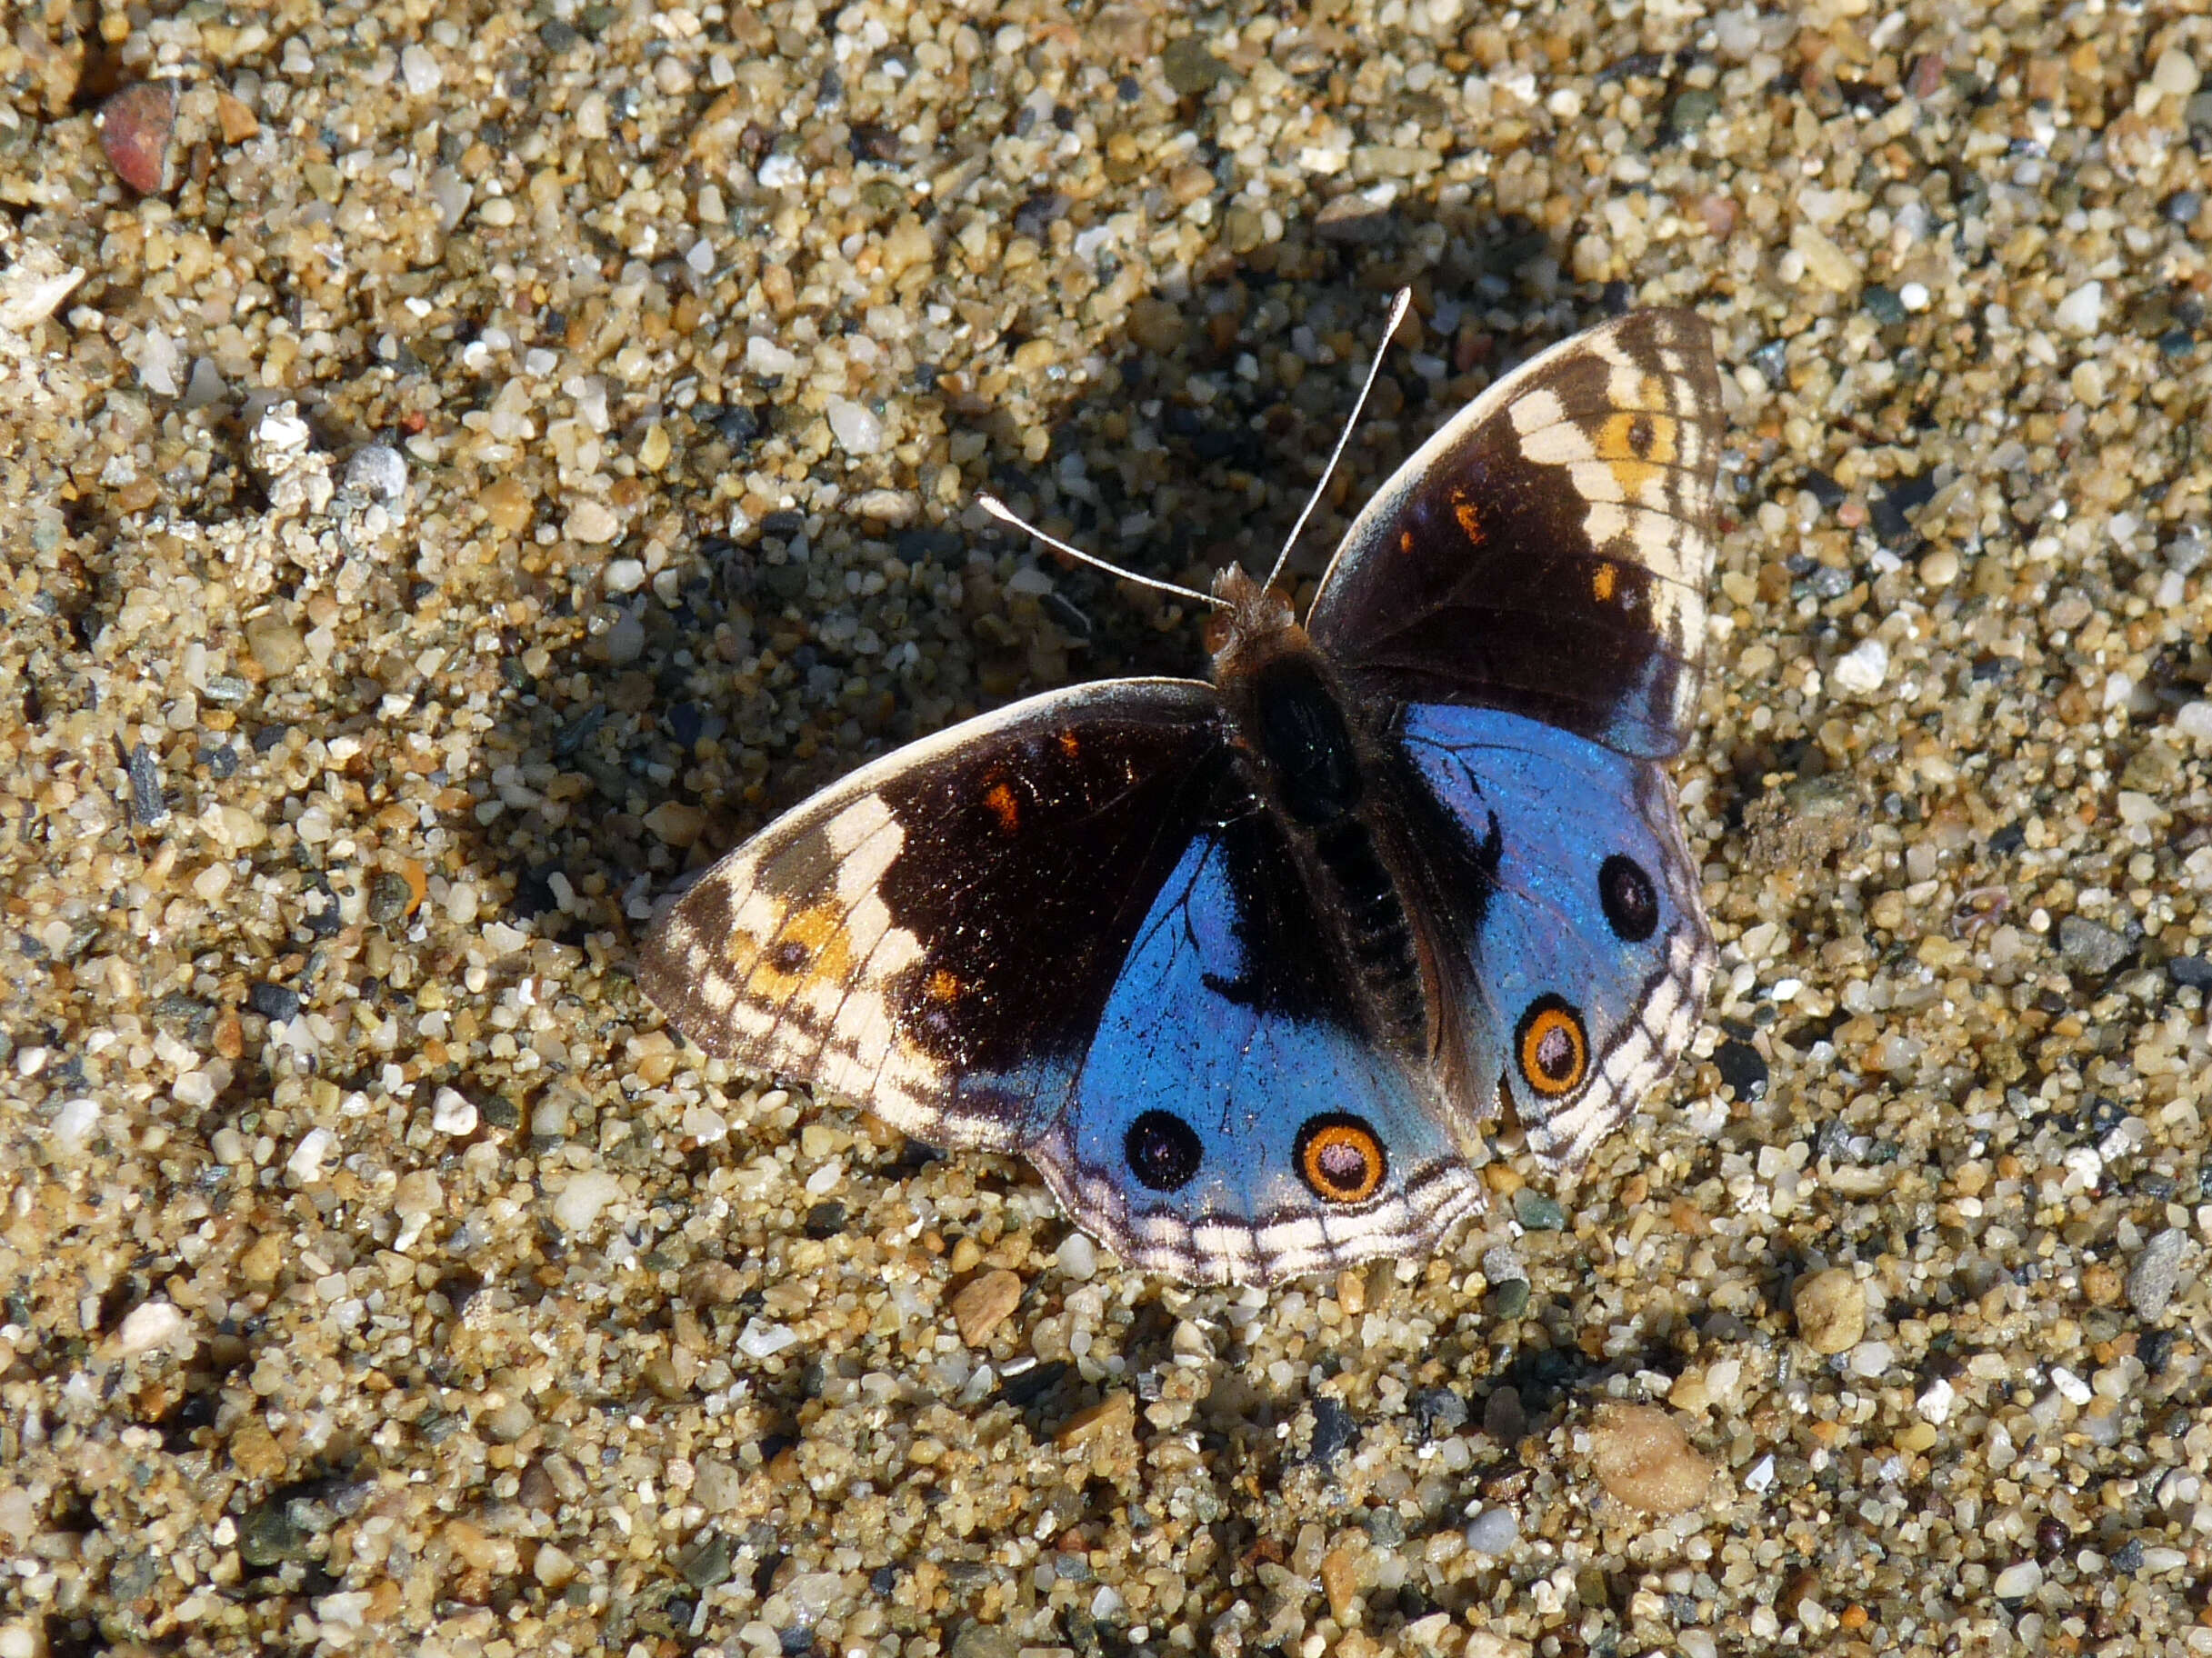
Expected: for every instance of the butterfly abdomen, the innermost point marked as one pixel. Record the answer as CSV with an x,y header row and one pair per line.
x,y
1298,727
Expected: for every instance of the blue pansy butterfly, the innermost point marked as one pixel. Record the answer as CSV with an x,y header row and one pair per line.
x,y
1243,966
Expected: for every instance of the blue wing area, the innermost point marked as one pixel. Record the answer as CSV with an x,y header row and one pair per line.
x,y
1228,1070
1565,907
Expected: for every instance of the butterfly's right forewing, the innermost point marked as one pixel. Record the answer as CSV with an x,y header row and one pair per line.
x,y
936,936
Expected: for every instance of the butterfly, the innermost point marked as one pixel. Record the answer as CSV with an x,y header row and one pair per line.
x,y
1243,966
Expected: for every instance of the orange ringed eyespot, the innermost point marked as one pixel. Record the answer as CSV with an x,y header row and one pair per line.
x,y
1555,1051
1340,1159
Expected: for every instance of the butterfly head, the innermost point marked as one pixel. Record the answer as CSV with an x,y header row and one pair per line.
x,y
1255,623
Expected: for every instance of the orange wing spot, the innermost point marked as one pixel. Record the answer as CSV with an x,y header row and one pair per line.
x,y
811,944
998,800
1070,744
943,986
1603,580
1470,523
1405,540
1637,445
1341,1160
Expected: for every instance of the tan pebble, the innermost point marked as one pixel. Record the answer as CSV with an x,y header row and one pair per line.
x,y
255,1452
1644,1460
653,451
237,122
1157,325
1035,357
1689,1392
967,1256
1114,1413
507,504
470,1546
713,1283
1502,1178
1939,568
1352,1293
907,246
1831,1308
275,645
1340,1582
553,1566
135,129
2102,1284
674,823
983,1305
1123,32
1187,184
891,506
261,1259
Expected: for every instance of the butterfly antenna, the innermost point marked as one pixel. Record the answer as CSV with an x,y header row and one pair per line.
x,y
999,509
1398,314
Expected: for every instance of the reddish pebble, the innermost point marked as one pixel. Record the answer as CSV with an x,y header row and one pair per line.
x,y
135,129
1851,515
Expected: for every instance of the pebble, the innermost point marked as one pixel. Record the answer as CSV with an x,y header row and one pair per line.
x,y
2155,1273
579,1202
856,428
1863,668
275,645
984,1304
418,68
623,574
2089,947
1077,1256
454,1113
2018,1581
592,522
1644,1460
2082,311
1493,1532
1830,1306
149,1325
136,127
379,471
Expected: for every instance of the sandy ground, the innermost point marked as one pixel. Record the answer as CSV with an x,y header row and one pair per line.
x,y
486,458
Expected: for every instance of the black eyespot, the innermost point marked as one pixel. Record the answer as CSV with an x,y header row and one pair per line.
x,y
1163,1150
1631,902
790,956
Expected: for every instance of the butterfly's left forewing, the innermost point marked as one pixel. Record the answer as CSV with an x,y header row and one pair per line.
x,y
1546,550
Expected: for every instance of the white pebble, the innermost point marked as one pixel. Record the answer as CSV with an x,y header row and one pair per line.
x,y
1493,1532
453,1112
586,1192
194,1088
2016,1582
1914,296
2175,74
591,522
625,575
1697,1644
1077,1256
1761,1475
1872,1358
420,70
380,473
762,1340
74,1126
764,356
1865,668
2071,1388
2195,719
461,903
857,431
1936,1402
781,172
153,1323
2081,311
305,1163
